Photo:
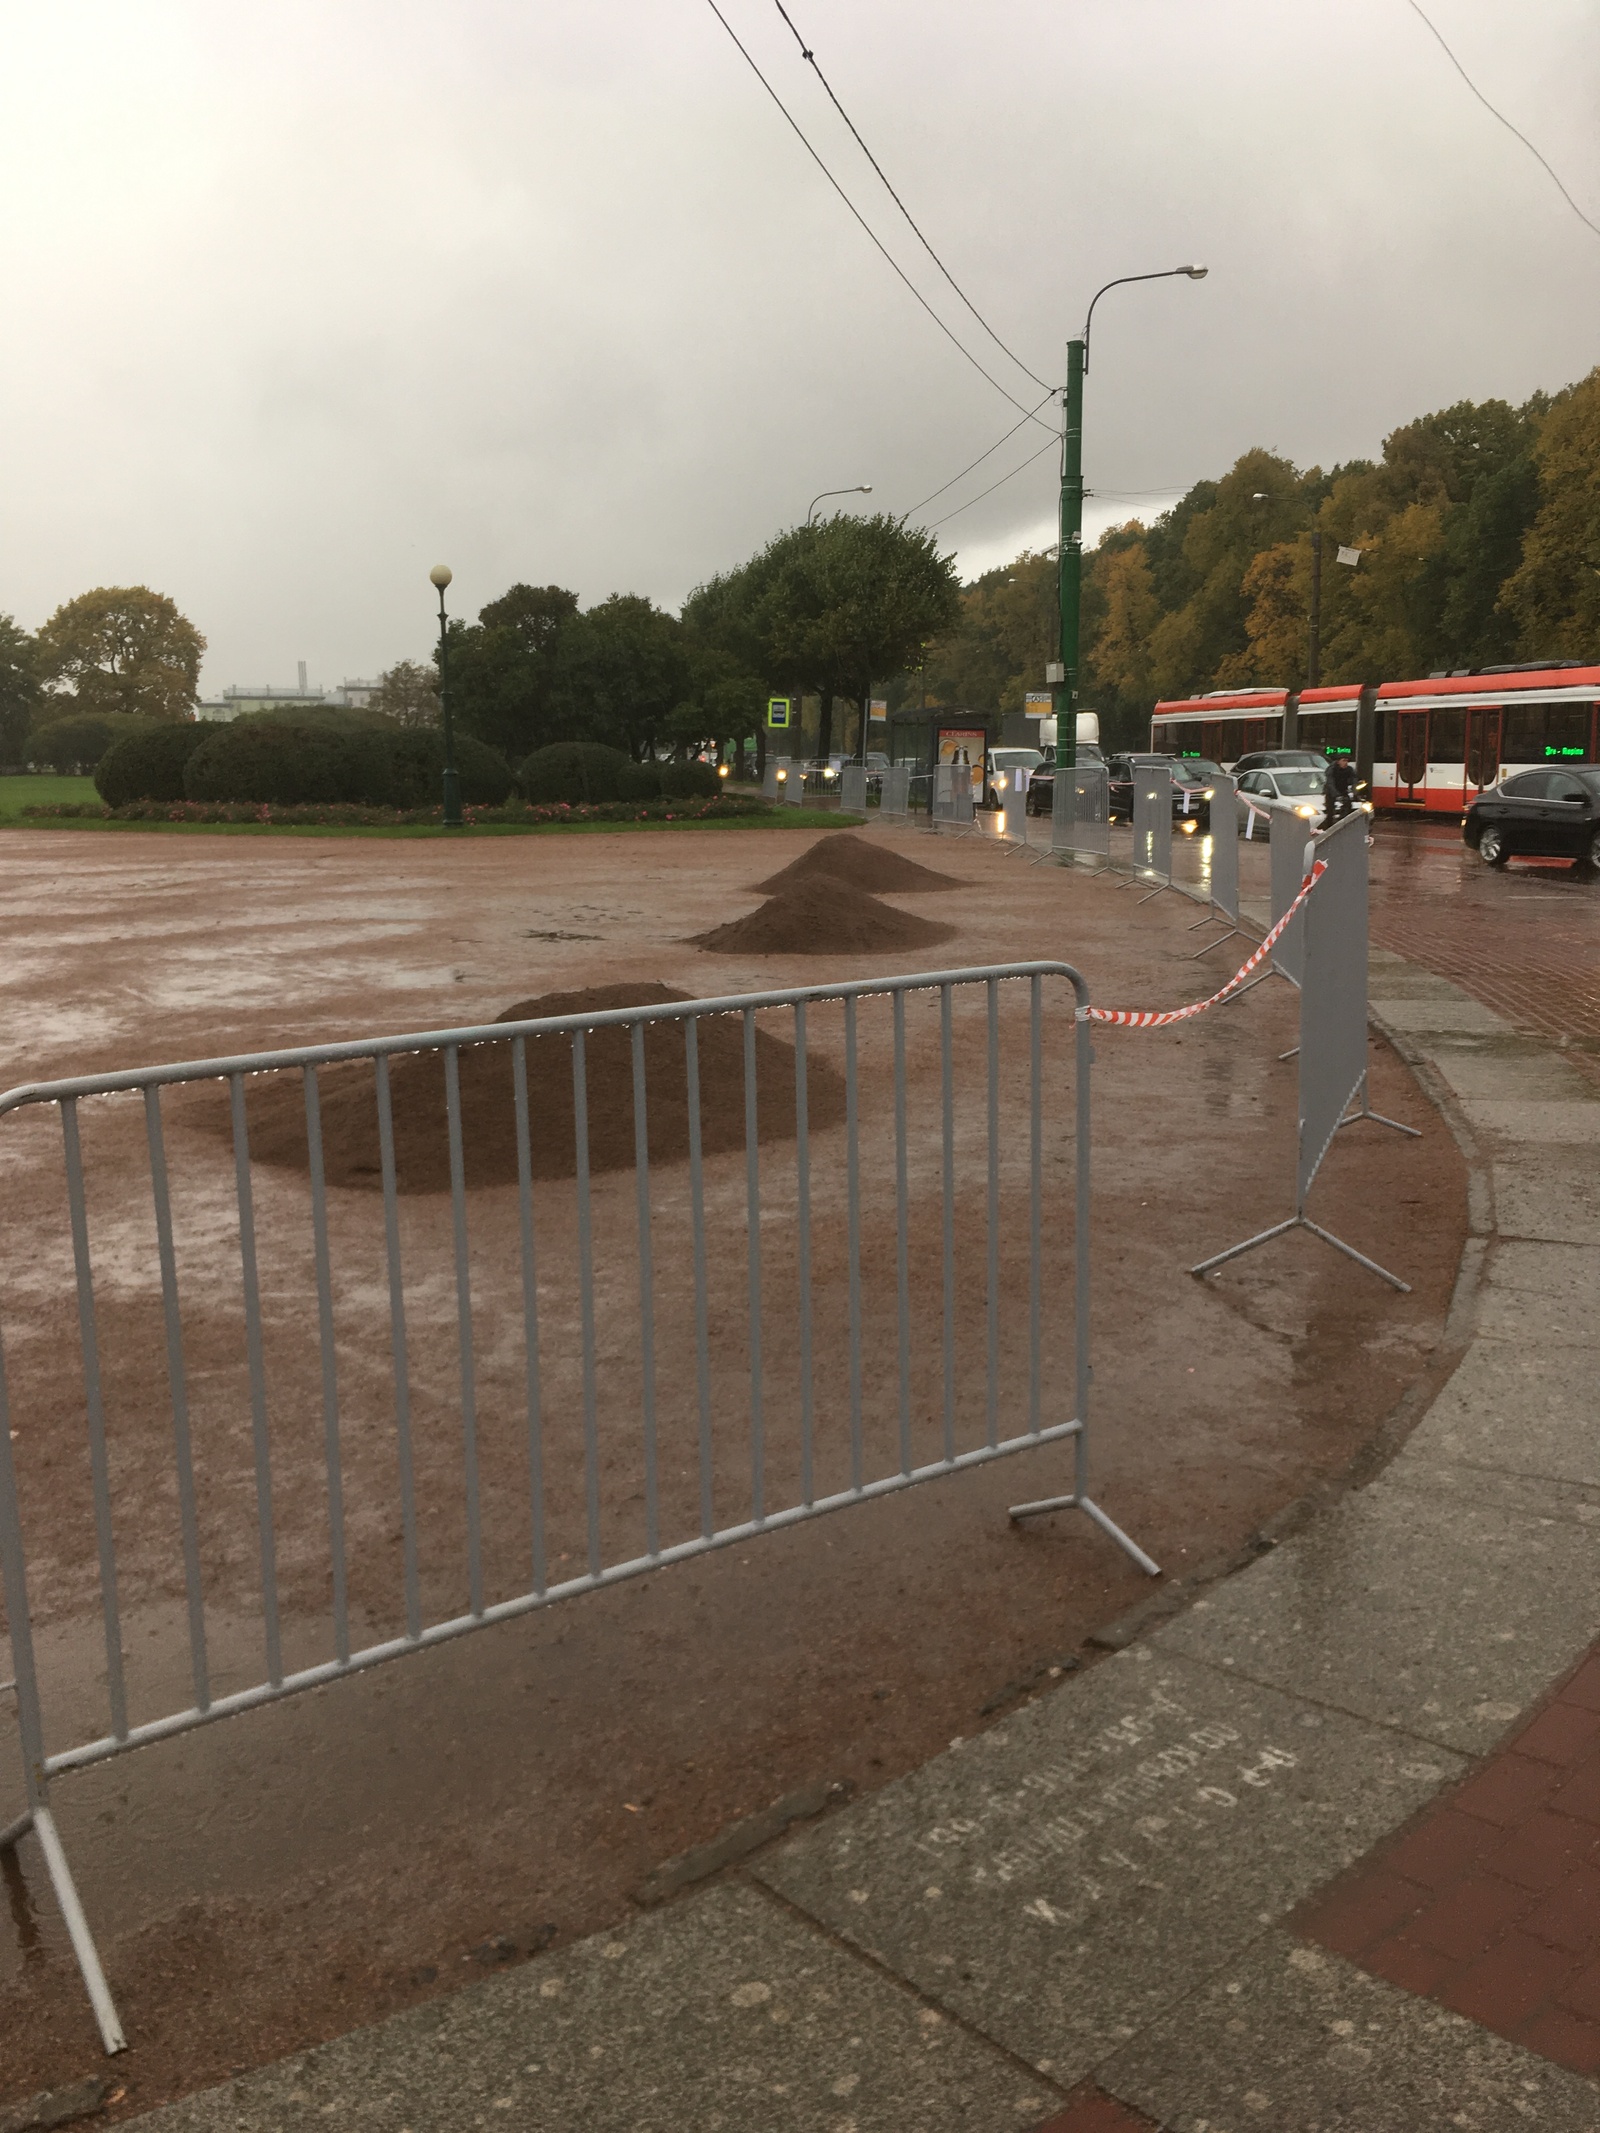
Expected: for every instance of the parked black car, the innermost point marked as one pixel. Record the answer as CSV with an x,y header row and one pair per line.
x,y
1042,785
1538,811
1191,798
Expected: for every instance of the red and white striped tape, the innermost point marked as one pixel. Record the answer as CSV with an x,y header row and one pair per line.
x,y
1150,1018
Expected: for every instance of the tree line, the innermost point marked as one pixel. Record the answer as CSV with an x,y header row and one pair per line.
x,y
1478,536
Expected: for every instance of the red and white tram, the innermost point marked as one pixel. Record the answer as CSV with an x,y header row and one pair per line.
x,y
1423,747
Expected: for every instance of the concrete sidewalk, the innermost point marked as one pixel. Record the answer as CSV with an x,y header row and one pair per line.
x,y
1096,1896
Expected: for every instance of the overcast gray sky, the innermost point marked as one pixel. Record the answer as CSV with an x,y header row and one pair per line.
x,y
303,297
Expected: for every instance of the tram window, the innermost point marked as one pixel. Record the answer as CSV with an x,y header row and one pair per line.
x,y
1447,737
1334,732
1383,734
1522,736
1566,732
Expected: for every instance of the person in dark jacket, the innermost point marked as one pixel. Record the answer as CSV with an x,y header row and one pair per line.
x,y
1338,793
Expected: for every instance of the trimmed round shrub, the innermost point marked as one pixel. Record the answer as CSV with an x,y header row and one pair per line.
x,y
575,773
689,781
292,760
148,764
76,741
416,757
639,781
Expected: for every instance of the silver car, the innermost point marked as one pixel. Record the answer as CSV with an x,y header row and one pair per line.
x,y
1265,793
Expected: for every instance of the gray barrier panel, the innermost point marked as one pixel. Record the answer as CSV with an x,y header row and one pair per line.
x,y
853,789
944,788
1290,836
895,789
780,1432
1333,997
1152,820
1014,806
1225,849
769,777
794,790
1080,820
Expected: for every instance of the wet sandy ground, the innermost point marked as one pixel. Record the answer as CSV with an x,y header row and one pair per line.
x,y
288,1874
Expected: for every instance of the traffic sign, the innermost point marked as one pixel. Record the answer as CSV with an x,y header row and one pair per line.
x,y
778,709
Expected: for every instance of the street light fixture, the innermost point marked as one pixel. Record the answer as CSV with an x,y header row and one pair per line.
x,y
1071,556
861,488
440,576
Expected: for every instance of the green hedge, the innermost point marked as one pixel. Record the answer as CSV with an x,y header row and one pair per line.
x,y
78,740
148,764
329,758
584,774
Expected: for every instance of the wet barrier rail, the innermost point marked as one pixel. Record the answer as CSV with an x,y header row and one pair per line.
x,y
317,1357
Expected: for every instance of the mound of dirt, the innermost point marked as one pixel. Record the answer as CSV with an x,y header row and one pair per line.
x,y
820,915
347,1093
856,861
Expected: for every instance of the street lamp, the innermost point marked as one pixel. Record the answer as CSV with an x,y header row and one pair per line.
x,y
862,488
1071,559
440,576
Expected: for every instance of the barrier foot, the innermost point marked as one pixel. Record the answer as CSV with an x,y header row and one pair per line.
x,y
1378,1119
1249,986
78,1933
1217,943
1160,889
1292,1053
1093,1511
1361,1258
1265,1237
1212,918
14,1832
1303,1222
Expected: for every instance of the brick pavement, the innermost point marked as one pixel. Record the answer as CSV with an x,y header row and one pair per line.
x,y
1523,939
1490,1902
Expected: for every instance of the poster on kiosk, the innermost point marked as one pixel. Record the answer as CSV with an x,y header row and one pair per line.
x,y
963,747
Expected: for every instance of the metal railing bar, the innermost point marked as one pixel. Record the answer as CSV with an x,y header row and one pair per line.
x,y
261,1441
802,1164
14,1590
528,1603
530,1311
182,1444
1035,1195
853,1231
948,1129
647,1305
752,1187
94,1402
992,1416
330,1365
591,1417
1083,1054
902,1230
222,1069
397,1346
697,1219
469,1376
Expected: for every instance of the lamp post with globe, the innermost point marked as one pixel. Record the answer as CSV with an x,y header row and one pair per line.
x,y
440,576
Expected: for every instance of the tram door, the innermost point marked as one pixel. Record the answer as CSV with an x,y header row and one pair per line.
x,y
1483,746
1411,757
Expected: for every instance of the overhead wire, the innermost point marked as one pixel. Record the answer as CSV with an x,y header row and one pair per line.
x,y
810,59
978,462
1000,484
1500,115
799,134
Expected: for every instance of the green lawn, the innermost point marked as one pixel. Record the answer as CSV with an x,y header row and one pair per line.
x,y
18,793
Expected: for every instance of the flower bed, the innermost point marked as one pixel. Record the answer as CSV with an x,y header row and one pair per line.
x,y
514,814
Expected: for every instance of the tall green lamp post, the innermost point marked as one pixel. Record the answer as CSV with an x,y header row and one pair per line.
x,y
440,576
1071,563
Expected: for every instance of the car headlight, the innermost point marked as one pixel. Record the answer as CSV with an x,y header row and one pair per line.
x,y
1206,795
1366,807
1306,812
1189,827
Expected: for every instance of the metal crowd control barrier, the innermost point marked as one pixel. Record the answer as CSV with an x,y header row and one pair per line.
x,y
1333,1022
1152,825
1014,806
1082,827
770,788
794,783
895,791
396,1346
952,795
853,788
1290,834
1222,822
